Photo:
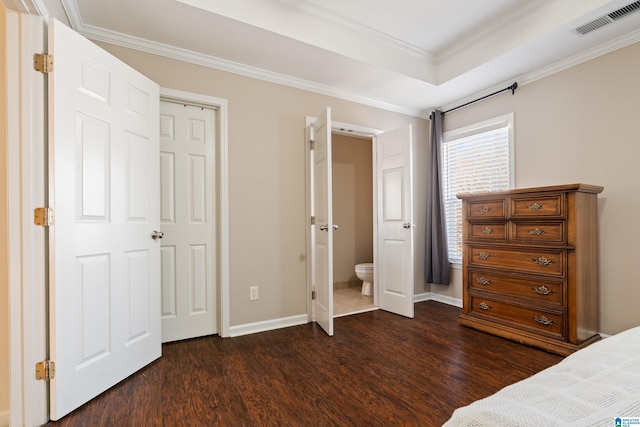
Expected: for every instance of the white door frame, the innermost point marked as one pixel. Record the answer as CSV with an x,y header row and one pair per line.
x,y
349,130
26,178
222,196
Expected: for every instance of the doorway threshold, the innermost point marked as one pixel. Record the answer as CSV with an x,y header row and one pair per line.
x,y
364,310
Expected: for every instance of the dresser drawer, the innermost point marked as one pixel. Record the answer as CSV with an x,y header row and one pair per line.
x,y
540,321
546,291
540,261
487,208
532,232
488,231
545,206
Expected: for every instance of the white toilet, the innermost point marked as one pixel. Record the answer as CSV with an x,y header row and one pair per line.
x,y
365,273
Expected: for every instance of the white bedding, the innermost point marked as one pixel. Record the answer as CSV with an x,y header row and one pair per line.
x,y
591,387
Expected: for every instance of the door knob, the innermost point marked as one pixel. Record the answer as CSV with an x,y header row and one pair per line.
x,y
334,227
155,234
406,225
324,227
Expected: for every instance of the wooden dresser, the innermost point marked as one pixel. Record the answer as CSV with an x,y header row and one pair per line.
x,y
530,265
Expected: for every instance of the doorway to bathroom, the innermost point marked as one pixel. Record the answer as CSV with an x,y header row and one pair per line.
x,y
392,207
352,172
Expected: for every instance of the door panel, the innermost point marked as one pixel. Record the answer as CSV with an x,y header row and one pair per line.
x,y
392,204
188,218
104,283
394,257
393,274
322,231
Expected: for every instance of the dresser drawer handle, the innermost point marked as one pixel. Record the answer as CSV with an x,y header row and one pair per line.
x,y
543,261
487,230
543,290
484,306
543,320
535,206
484,255
485,209
536,232
483,281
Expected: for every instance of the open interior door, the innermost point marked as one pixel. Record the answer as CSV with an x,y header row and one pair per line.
x,y
322,230
394,255
104,187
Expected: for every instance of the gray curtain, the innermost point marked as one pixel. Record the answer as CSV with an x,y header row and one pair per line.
x,y
436,254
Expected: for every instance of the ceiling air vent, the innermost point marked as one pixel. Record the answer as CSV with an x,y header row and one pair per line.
x,y
623,11
593,25
608,18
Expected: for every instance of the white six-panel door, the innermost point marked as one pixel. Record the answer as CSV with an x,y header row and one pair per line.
x,y
103,184
187,215
322,231
394,247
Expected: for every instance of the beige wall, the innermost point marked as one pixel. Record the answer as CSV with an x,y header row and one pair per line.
x,y
583,125
352,205
267,177
4,284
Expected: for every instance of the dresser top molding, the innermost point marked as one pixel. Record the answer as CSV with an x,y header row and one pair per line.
x,y
583,188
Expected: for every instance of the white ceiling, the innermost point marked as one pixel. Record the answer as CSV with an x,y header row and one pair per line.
x,y
402,55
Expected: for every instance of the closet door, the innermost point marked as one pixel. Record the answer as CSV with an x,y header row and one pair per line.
x,y
188,218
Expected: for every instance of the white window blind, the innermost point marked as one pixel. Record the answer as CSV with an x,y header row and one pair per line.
x,y
477,158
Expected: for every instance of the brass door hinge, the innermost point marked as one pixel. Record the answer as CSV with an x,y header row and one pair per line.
x,y
43,63
45,370
43,217
313,220
312,145
313,295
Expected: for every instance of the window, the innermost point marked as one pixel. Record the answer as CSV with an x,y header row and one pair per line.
x,y
475,158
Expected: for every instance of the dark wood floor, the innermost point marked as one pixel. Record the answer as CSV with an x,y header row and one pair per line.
x,y
378,369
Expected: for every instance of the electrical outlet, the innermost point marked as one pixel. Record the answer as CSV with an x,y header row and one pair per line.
x,y
253,293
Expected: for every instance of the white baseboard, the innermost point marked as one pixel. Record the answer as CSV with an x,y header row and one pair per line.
x,y
301,319
430,296
268,325
425,296
4,418
457,302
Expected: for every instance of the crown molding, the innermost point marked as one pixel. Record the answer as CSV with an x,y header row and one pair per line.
x,y
349,25
588,55
458,46
143,45
314,25
73,14
556,67
30,7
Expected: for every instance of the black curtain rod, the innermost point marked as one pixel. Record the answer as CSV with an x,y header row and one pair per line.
x,y
513,88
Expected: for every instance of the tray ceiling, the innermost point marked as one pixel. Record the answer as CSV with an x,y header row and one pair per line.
x,y
405,55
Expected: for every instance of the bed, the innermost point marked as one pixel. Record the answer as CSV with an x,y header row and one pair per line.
x,y
591,387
